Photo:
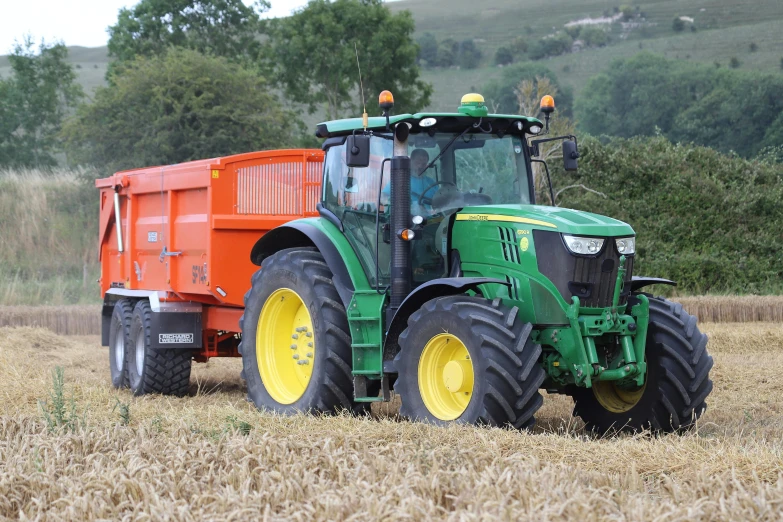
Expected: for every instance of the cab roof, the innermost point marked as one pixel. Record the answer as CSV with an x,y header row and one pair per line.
x,y
445,122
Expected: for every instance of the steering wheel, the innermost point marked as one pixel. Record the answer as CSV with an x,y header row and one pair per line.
x,y
428,201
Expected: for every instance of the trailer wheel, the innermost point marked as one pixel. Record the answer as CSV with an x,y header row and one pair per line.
x,y
119,341
150,370
469,360
677,384
296,346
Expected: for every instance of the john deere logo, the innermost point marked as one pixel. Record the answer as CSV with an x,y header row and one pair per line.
x,y
524,243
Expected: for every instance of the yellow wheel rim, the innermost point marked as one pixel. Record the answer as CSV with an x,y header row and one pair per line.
x,y
616,399
445,376
285,346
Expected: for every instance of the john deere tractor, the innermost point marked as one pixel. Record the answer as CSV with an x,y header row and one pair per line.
x,y
432,272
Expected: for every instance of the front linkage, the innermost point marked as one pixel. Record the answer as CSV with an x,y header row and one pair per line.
x,y
575,358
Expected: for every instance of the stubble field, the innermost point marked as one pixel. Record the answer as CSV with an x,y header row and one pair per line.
x,y
212,456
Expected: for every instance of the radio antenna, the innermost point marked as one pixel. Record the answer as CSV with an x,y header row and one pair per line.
x,y
365,119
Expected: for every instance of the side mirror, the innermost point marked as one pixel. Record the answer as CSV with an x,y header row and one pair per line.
x,y
357,151
570,155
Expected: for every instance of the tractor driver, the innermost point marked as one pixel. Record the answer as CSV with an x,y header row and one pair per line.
x,y
419,183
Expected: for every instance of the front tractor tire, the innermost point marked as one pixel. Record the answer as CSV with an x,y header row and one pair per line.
x,y
469,360
153,370
677,383
296,346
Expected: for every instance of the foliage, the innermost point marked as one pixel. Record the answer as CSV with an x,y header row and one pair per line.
x,y
177,107
704,219
504,56
553,45
678,25
634,97
58,412
315,58
594,36
41,90
529,94
468,54
227,28
500,93
734,62
428,48
518,45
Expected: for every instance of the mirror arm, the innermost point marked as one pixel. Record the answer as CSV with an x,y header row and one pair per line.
x,y
535,143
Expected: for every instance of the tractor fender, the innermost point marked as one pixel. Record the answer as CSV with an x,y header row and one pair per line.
x,y
300,234
442,287
641,282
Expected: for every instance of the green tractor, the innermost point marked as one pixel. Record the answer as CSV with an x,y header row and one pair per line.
x,y
432,272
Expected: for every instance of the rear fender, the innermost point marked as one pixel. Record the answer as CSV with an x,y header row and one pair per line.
x,y
348,275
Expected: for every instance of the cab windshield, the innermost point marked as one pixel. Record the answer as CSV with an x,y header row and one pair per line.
x,y
449,171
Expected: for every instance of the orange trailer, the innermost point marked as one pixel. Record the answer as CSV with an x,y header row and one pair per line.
x,y
180,238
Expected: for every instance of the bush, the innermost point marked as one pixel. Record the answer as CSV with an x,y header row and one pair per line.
x,y
704,219
678,25
555,45
503,56
734,63
500,95
595,37
428,49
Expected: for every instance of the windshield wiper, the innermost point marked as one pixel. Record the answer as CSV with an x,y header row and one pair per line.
x,y
444,149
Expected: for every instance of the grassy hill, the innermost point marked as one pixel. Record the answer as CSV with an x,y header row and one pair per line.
x,y
725,29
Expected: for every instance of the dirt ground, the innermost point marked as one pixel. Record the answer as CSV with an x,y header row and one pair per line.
x,y
212,456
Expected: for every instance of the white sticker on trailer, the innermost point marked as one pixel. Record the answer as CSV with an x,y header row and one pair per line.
x,y
175,338
152,237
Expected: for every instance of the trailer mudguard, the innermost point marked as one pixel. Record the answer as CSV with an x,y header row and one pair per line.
x,y
314,232
442,287
641,282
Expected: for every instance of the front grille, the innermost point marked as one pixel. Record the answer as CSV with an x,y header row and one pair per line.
x,y
591,279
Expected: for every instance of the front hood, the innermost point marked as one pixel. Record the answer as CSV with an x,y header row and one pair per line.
x,y
563,220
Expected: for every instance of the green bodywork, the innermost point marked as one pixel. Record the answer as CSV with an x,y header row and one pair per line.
x,y
581,345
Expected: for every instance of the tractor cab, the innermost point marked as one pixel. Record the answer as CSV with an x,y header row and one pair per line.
x,y
456,161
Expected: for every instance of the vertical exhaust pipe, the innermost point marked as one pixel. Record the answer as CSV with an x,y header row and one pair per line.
x,y
117,220
400,220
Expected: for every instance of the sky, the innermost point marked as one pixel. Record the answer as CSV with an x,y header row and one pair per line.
x,y
78,22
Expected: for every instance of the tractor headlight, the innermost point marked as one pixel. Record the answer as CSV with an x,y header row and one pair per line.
x,y
626,245
584,245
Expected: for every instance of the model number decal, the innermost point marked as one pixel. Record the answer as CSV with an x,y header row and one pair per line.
x,y
200,274
172,338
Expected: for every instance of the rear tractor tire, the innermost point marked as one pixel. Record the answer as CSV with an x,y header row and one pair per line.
x,y
469,360
677,384
296,345
154,370
119,341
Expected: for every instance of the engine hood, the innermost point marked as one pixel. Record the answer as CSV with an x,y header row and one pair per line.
x,y
556,219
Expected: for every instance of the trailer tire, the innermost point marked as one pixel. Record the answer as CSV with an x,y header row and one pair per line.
x,y
504,366
119,342
677,385
154,370
294,288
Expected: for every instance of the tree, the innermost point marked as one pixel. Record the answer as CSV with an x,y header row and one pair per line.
x,y
595,37
468,55
634,98
553,45
227,28
503,56
500,93
529,94
428,49
678,24
518,45
315,60
177,107
447,52
34,101
734,62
